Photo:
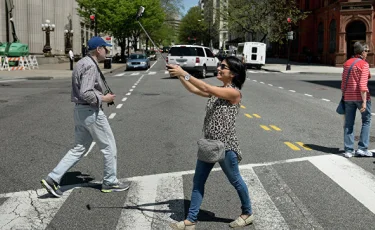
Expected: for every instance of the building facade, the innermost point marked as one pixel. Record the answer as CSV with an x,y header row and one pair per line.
x,y
331,29
28,17
217,25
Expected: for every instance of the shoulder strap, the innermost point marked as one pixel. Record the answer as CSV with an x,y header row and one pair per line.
x,y
347,76
101,75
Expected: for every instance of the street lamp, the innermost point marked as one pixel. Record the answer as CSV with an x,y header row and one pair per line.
x,y
48,28
68,36
289,37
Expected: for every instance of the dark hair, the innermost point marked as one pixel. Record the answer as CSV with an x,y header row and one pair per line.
x,y
238,69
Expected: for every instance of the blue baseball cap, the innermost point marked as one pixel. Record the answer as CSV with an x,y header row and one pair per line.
x,y
96,42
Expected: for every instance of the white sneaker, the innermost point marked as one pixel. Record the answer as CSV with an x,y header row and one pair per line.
x,y
362,153
348,154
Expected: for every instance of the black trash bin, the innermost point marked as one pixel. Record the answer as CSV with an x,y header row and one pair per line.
x,y
108,63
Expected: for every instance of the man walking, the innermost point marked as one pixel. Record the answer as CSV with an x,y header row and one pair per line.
x,y
91,123
71,59
357,96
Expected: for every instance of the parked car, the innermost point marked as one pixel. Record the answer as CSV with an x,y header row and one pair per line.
x,y
137,61
151,54
194,59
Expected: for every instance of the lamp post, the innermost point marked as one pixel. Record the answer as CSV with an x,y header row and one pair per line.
x,y
48,28
289,37
68,36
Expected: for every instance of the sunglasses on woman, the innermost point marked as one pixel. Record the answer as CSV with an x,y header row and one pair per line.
x,y
223,66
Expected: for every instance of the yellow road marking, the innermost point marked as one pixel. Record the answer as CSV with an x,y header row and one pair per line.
x,y
303,146
243,107
293,147
248,115
256,115
275,127
265,127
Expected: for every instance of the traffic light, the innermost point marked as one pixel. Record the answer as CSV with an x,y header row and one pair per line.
x,y
92,20
289,20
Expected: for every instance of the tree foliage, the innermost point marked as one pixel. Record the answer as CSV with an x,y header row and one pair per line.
x,y
191,27
265,17
117,17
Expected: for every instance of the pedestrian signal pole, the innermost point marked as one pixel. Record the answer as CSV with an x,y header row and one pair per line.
x,y
290,38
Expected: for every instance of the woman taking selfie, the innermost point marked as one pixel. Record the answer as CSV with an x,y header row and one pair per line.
x,y
219,124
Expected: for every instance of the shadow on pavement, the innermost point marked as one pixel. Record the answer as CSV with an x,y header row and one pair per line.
x,y
324,149
174,210
72,178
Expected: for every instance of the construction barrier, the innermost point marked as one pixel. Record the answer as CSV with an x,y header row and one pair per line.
x,y
23,63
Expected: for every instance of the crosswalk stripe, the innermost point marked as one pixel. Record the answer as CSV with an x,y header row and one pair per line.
x,y
355,180
139,205
292,207
29,209
134,74
169,199
120,74
152,73
154,201
266,214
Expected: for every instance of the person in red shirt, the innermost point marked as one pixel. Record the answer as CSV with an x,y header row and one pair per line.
x,y
357,96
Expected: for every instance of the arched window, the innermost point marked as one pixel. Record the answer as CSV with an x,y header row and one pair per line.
x,y
320,37
332,37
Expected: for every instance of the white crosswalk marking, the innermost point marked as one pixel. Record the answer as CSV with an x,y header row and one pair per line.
x,y
151,73
154,200
119,75
266,214
355,180
134,74
139,205
28,210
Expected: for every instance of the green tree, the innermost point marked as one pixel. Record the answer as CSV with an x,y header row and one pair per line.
x,y
191,27
117,17
266,17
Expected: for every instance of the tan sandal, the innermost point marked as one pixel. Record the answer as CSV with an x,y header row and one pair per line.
x,y
181,226
240,222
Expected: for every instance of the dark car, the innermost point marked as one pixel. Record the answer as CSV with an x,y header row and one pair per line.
x,y
137,61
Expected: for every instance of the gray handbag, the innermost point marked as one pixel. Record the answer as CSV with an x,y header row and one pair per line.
x,y
210,151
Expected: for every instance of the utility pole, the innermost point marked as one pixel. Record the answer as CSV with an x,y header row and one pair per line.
x,y
290,38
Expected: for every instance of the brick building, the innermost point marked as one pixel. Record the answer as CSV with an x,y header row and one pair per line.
x,y
331,29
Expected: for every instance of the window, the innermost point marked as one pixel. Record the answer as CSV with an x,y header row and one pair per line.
x,y
183,51
200,52
320,38
332,37
254,50
209,53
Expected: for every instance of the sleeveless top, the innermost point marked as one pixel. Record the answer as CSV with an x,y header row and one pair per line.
x,y
220,122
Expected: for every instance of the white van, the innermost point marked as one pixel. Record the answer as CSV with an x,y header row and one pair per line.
x,y
254,52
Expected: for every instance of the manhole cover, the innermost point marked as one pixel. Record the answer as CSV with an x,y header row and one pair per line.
x,y
372,138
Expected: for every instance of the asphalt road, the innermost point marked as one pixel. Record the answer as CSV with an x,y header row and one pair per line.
x,y
290,136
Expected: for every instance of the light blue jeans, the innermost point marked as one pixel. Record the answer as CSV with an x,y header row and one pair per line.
x,y
350,112
91,124
230,167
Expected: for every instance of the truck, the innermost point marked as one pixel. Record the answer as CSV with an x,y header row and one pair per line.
x,y
254,54
15,48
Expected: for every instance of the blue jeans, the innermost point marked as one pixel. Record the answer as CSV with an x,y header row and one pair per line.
x,y
350,112
91,124
230,167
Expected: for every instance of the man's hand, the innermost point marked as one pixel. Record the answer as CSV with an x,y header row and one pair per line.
x,y
108,98
363,107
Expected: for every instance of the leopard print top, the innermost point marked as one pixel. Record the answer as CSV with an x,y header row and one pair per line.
x,y
220,123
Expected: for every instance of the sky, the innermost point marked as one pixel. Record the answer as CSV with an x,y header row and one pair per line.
x,y
188,4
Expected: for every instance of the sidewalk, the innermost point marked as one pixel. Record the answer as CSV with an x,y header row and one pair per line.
x,y
279,65
50,71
